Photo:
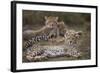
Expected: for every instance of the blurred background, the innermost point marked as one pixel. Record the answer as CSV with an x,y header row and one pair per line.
x,y
35,18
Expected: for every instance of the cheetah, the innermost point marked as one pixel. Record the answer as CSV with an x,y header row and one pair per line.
x,y
45,32
69,48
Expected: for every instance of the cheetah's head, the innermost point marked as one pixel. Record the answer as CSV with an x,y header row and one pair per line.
x,y
51,21
72,37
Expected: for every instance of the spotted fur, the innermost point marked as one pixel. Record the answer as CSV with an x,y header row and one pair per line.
x,y
34,40
72,38
45,52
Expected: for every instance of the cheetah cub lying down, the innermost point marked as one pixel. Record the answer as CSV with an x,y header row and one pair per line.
x,y
69,48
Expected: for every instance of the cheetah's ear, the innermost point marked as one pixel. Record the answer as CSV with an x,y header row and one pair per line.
x,y
46,17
